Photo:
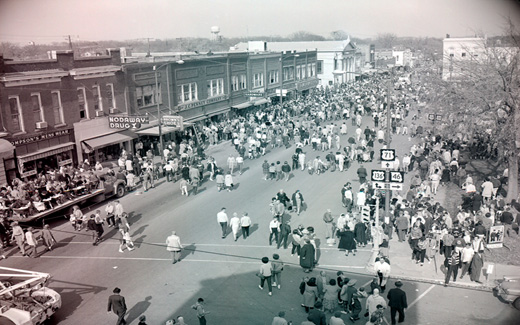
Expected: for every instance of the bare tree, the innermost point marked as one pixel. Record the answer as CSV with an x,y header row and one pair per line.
x,y
386,40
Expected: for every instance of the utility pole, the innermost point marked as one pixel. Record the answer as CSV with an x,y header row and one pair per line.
x,y
388,140
70,42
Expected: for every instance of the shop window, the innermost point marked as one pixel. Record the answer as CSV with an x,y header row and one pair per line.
x,y
57,109
36,104
148,95
243,81
98,103
187,92
298,72
82,103
320,66
288,73
273,77
215,87
258,80
110,96
313,70
16,113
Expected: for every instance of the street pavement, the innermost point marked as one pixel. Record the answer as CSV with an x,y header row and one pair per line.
x,y
222,271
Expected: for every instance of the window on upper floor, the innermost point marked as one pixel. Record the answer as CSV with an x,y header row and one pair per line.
x,y
258,80
320,66
215,87
273,77
288,73
187,92
243,81
57,109
98,102
234,83
82,103
15,111
110,96
36,105
148,95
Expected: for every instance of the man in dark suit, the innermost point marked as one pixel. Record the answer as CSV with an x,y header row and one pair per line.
x,y
362,174
397,302
401,223
116,303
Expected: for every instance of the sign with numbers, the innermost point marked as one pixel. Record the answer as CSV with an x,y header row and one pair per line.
x,y
377,175
387,154
396,177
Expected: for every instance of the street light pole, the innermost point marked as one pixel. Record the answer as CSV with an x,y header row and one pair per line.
x,y
281,80
158,112
388,141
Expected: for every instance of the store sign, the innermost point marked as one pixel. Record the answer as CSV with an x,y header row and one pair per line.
x,y
171,120
127,122
203,102
254,94
65,162
39,137
29,173
304,85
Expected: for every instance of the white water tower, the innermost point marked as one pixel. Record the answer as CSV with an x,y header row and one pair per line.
x,y
215,30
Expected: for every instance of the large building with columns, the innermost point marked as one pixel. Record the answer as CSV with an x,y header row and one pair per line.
x,y
337,61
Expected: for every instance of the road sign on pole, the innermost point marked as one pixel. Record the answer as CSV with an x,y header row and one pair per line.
x,y
387,154
387,164
396,177
379,185
172,120
377,175
396,187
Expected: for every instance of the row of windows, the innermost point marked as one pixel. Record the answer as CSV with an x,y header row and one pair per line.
x,y
16,110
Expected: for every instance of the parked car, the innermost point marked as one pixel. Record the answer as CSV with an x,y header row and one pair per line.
x,y
508,289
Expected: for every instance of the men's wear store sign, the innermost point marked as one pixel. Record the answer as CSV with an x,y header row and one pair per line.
x,y
127,122
202,102
40,137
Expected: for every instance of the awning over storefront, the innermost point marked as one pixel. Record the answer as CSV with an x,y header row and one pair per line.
x,y
42,153
217,112
6,146
155,130
261,101
109,139
243,105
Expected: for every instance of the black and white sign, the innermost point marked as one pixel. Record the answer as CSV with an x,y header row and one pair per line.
x,y
127,122
396,177
388,154
172,120
377,175
396,187
387,164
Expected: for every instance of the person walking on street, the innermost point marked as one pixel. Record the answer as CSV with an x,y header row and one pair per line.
x,y
383,272
307,255
18,236
245,223
402,225
48,237
297,201
286,171
31,242
397,302
223,221
373,301
285,232
452,267
124,230
280,319
174,246
116,303
235,225
201,313
296,241
265,275
362,174
329,226
274,228
277,268
109,209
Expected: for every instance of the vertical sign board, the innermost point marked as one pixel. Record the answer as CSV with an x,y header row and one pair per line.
x,y
496,236
387,154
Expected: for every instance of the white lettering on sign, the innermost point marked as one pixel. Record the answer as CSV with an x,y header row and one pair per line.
x,y
128,119
378,176
387,154
396,177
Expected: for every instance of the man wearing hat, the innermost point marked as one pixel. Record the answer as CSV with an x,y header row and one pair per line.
x,y
116,303
397,302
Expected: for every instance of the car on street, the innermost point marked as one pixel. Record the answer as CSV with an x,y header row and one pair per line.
x,y
508,289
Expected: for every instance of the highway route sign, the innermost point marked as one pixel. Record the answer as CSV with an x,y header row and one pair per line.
x,y
396,177
387,154
378,175
387,164
396,187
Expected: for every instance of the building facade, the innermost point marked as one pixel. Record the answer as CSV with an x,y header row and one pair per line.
x,y
336,61
43,103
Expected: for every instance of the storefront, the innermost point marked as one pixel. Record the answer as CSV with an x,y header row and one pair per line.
x,y
7,163
305,86
42,152
96,141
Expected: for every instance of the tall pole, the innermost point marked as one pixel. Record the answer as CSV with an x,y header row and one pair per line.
x,y
281,80
158,114
388,140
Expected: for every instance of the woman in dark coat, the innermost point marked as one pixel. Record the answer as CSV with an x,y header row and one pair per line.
x,y
360,230
346,241
307,254
476,267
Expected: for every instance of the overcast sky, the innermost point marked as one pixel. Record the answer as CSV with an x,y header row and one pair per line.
x,y
44,21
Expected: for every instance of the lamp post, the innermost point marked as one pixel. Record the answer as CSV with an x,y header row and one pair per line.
x,y
159,125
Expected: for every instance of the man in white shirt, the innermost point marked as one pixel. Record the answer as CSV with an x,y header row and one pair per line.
x,y
223,220
245,223
274,228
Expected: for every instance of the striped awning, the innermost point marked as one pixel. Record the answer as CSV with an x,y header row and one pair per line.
x,y
46,152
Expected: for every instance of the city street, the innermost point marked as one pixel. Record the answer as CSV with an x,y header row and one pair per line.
x,y
222,271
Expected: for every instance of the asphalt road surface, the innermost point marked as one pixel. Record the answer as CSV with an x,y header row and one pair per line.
x,y
222,271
